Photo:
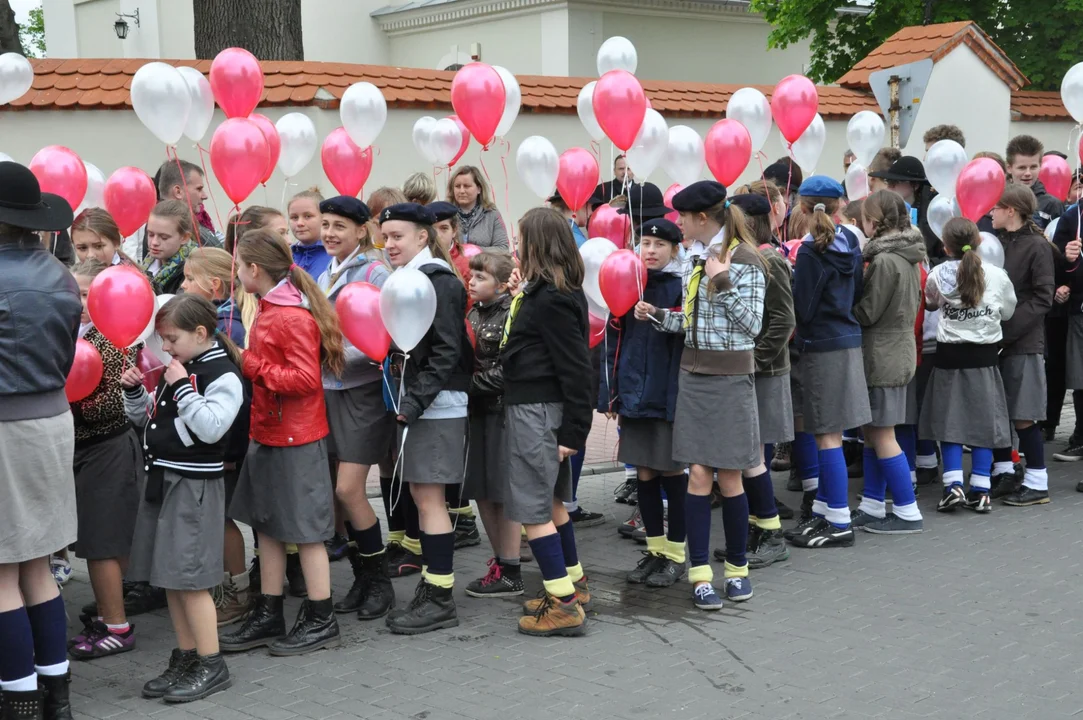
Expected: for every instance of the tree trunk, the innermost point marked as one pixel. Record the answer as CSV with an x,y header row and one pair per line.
x,y
269,29
9,30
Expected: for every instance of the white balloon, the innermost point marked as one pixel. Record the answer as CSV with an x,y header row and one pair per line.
x,y
943,163
857,181
594,252
422,134
202,111
617,53
1051,229
513,100
1071,91
585,107
95,185
161,100
941,209
684,159
151,340
297,135
749,107
445,139
808,148
538,165
650,144
990,250
363,111
408,306
865,135
16,77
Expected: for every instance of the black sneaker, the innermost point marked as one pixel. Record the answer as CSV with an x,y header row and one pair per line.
x,y
1005,484
666,575
1025,496
336,547
1072,453
793,483
806,526
205,675
316,628
432,608
178,663
466,532
825,535
402,562
144,599
781,461
785,512
264,625
892,524
295,576
953,498
624,490
978,501
646,567
501,581
928,476
770,548
585,518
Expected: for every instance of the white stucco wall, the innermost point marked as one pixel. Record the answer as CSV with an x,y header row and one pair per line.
x,y
1054,135
343,31
514,42
94,29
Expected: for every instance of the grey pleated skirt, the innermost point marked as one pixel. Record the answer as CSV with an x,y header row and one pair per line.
x,y
912,404
535,475
178,542
286,493
647,443
361,427
717,422
966,406
1024,386
835,396
108,483
1074,368
434,453
797,394
888,406
486,458
775,408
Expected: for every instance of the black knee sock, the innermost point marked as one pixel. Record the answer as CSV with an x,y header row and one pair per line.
x,y
676,487
368,541
439,553
650,506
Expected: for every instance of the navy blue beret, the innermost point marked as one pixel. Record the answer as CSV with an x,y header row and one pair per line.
x,y
752,204
699,196
347,207
410,212
442,210
662,229
821,186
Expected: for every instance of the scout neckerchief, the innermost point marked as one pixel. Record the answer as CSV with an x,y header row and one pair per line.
x,y
692,295
170,267
512,312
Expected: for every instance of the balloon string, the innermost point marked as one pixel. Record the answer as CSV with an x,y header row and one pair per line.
x,y
396,473
207,180
596,150
485,171
187,197
507,196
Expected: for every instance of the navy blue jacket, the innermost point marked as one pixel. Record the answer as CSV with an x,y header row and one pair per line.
x,y
644,384
826,286
1069,273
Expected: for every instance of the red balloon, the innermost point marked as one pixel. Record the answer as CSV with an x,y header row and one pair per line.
x,y
85,373
152,368
667,198
60,171
1056,176
274,144
236,82
607,223
466,139
979,187
728,149
597,330
345,165
477,94
358,308
619,107
621,281
239,155
794,103
577,177
129,195
470,250
120,303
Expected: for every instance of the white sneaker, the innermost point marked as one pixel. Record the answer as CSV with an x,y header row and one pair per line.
x,y
61,569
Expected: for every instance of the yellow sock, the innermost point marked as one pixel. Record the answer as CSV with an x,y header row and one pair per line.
x,y
412,544
700,573
523,533
575,573
771,523
440,581
753,520
656,545
734,571
561,587
464,511
291,549
396,536
674,551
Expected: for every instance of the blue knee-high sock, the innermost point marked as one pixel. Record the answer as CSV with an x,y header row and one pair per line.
x,y
874,489
805,459
896,473
17,640
676,490
1030,444
697,513
577,470
735,522
833,486
952,454
650,506
550,558
50,627
761,496
981,461
768,454
907,437
926,447
567,543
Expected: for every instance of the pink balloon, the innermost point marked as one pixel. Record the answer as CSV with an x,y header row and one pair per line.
x,y
466,139
236,82
470,250
60,171
794,103
477,94
345,165
621,280
606,222
979,187
1056,176
120,303
619,107
239,156
129,195
597,330
577,177
728,149
358,308
667,198
274,144
85,373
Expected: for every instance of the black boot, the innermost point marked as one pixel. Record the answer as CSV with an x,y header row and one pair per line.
x,y
56,704
179,661
432,608
316,628
352,601
264,625
379,595
21,705
295,577
206,675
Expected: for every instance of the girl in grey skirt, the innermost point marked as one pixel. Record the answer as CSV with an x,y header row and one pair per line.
x,y
179,529
887,312
964,401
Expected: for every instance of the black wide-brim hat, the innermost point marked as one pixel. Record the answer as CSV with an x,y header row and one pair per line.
x,y
905,169
645,202
24,205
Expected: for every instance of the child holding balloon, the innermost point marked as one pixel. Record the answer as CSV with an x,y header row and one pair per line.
x,y
169,243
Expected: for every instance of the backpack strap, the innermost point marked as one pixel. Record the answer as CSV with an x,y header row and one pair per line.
x,y
372,266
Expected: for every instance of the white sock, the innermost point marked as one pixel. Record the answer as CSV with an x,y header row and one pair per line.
x,y
914,478
819,507
810,484
1036,479
122,628
979,482
953,476
907,512
58,669
26,684
926,462
876,508
1000,468
571,506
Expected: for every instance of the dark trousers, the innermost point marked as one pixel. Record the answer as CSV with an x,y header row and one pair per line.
x,y
1056,356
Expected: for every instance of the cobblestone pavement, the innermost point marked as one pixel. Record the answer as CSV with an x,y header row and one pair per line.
x,y
979,617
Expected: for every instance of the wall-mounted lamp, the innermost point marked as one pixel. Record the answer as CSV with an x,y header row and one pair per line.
x,y
121,25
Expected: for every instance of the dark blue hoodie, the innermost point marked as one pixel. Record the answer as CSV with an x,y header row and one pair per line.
x,y
313,259
826,285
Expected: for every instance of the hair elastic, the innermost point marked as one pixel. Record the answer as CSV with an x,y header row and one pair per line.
x,y
967,248
819,207
726,204
293,266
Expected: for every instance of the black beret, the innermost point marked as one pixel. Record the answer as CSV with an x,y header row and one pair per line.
x,y
787,176
442,210
699,196
752,204
662,229
411,212
347,207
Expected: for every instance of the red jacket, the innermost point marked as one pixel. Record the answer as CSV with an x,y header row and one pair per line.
x,y
283,363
